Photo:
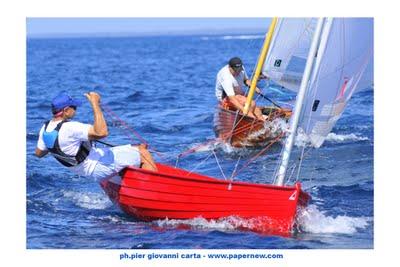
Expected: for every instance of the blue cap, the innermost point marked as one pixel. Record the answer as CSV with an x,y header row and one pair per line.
x,y
63,100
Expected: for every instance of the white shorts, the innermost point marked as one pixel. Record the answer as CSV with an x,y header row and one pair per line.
x,y
115,159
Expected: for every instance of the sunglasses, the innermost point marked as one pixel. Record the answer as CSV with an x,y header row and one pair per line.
x,y
73,107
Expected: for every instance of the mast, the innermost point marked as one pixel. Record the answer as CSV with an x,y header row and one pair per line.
x,y
260,63
299,103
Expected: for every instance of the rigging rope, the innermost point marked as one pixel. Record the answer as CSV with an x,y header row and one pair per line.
x,y
220,168
298,164
258,155
273,115
198,165
114,117
129,131
234,170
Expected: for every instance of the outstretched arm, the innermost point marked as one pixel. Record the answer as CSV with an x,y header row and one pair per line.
x,y
99,129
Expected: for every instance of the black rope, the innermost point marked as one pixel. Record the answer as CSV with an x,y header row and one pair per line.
x,y
270,100
105,143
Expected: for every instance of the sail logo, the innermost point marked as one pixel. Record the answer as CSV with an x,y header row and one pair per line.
x,y
293,196
277,63
346,84
315,105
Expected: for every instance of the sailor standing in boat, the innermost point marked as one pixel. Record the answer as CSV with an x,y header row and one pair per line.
x,y
70,141
228,88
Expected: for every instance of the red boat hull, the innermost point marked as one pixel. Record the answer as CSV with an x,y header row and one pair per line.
x,y
177,194
244,131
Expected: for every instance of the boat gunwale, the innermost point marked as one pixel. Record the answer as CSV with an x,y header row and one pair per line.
x,y
206,179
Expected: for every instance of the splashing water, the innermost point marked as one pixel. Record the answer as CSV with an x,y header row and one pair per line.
x,y
261,224
345,137
312,220
88,200
302,139
198,223
273,128
218,144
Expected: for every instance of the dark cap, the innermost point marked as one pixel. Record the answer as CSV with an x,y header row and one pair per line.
x,y
63,100
235,63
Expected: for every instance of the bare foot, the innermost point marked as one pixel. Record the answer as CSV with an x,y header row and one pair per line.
x,y
261,118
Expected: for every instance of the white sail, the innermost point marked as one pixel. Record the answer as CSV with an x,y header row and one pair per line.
x,y
344,55
367,80
294,120
287,55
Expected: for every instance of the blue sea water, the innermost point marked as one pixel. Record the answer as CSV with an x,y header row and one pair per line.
x,y
163,87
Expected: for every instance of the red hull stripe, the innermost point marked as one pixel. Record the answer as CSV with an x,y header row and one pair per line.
x,y
162,214
169,175
220,192
282,209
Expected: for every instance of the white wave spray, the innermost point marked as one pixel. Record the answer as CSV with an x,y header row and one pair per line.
x,y
312,220
345,137
303,140
198,223
88,200
233,37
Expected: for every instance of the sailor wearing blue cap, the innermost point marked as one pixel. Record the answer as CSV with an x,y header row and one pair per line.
x,y
70,141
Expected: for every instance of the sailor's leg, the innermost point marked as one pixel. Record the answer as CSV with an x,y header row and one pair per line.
x,y
147,161
257,111
242,101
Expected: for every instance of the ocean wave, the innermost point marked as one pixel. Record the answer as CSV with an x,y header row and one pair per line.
x,y
332,137
303,139
241,37
134,96
233,37
260,224
88,200
114,220
32,135
198,223
152,128
312,220
218,144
